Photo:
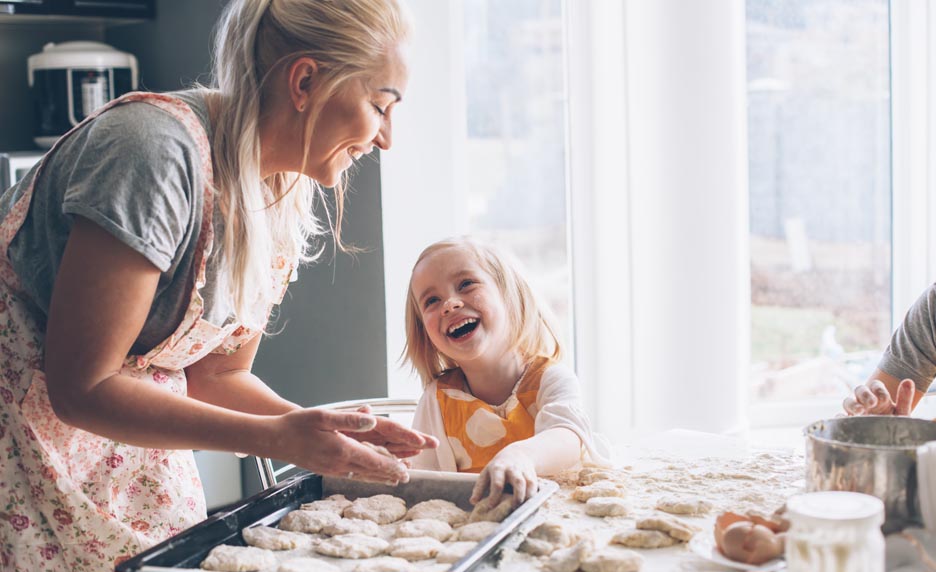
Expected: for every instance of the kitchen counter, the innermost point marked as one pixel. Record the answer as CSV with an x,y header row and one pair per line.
x,y
730,473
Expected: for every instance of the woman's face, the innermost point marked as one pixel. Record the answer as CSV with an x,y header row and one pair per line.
x,y
356,119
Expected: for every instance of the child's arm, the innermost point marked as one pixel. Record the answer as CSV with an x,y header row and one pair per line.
x,y
519,463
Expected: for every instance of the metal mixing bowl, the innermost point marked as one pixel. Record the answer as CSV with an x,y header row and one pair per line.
x,y
875,455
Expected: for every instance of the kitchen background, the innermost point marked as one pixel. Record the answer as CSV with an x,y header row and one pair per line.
x,y
726,203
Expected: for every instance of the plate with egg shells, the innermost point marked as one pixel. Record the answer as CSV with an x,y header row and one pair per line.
x,y
704,546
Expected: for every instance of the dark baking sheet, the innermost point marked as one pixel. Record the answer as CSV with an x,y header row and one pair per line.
x,y
190,547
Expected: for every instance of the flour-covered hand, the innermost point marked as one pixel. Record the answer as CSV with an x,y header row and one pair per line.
x,y
873,398
512,465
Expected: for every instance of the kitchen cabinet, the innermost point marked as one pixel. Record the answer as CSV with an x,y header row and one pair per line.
x,y
132,9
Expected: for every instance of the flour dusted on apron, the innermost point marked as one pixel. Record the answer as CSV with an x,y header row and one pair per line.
x,y
75,501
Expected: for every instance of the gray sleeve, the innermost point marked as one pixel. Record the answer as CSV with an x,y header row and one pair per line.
x,y
134,177
912,349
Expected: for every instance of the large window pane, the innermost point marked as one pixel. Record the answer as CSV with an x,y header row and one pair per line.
x,y
819,140
516,109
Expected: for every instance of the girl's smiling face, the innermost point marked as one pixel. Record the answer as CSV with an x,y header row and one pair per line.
x,y
461,306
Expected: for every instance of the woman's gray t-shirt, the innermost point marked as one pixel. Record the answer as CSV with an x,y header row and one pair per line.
x,y
911,353
135,171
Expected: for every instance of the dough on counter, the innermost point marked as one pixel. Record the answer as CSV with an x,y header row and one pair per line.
x,y
569,559
384,564
484,512
307,565
352,526
352,546
438,529
612,559
678,529
606,506
598,489
591,475
476,531
546,538
454,551
438,509
274,538
415,548
382,509
226,558
308,521
687,506
334,503
643,539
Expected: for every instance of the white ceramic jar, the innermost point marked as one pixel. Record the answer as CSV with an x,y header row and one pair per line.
x,y
835,531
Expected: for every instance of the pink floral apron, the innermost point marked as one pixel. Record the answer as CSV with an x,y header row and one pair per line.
x,y
73,501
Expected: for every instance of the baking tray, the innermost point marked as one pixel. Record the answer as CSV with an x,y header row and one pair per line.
x,y
187,549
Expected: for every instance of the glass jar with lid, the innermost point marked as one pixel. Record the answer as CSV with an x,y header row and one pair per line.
x,y
835,531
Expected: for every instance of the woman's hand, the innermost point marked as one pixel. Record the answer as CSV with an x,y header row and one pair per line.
x,y
512,465
316,440
399,440
873,398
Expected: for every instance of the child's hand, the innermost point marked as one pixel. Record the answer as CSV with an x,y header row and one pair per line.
x,y
512,465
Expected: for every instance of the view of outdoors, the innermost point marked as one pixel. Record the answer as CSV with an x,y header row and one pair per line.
x,y
516,108
819,161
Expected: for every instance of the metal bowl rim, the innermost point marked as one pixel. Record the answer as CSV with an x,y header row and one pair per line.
x,y
826,440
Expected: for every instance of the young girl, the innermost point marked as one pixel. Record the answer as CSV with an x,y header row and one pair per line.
x,y
494,392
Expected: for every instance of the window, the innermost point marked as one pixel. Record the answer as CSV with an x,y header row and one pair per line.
x,y
516,139
819,138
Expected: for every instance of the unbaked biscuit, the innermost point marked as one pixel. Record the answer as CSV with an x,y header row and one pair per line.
x,y
598,489
334,503
307,565
415,548
275,539
438,529
678,529
308,521
643,539
686,506
606,506
476,531
612,559
438,509
382,509
352,546
226,558
352,526
454,551
484,512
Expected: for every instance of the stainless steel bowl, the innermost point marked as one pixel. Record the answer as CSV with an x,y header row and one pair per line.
x,y
875,455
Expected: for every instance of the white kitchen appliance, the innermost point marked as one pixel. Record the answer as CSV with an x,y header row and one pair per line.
x,y
70,80
15,165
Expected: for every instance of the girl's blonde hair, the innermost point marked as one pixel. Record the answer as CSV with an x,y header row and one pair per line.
x,y
348,39
531,326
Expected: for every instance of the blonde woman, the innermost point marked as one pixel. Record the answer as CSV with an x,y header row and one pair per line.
x,y
494,392
140,262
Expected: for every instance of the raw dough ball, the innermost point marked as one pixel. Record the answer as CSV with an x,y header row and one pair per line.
x,y
606,506
238,559
688,506
599,489
438,529
307,565
334,503
678,529
309,521
438,509
416,548
384,564
382,509
644,539
352,546
476,531
569,559
274,539
352,526
613,559
483,512
591,475
454,551
546,538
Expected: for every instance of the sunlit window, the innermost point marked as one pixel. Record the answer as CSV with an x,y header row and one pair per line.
x,y
820,195
516,108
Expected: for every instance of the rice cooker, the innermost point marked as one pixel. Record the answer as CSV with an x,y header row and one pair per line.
x,y
70,80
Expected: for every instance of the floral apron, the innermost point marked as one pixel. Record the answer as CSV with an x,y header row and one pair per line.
x,y
477,430
70,500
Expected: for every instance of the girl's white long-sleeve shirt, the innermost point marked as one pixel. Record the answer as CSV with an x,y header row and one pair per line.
x,y
558,404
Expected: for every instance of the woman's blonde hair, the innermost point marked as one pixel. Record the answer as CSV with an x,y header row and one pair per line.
x,y
348,39
532,333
